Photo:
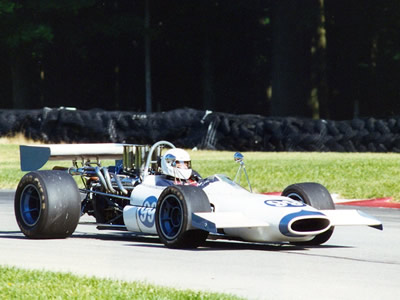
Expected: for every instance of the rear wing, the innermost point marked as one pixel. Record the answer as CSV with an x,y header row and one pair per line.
x,y
34,157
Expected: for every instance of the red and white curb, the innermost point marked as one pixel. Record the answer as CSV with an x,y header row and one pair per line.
x,y
376,202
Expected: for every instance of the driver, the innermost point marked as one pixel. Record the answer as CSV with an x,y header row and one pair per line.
x,y
177,166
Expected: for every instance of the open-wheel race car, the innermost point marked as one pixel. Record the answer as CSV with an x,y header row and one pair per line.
x,y
152,190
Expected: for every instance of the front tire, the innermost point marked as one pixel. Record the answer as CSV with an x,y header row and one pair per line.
x,y
317,196
47,204
174,216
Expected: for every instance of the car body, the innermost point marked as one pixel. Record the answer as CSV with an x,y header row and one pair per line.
x,y
133,195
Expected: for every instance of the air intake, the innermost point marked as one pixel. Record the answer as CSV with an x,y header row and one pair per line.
x,y
310,225
304,223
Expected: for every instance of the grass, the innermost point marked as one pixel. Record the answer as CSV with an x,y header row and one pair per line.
x,y
22,284
351,175
9,166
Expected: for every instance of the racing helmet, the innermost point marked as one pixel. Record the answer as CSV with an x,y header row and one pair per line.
x,y
176,163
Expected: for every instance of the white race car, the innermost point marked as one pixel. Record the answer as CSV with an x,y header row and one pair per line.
x,y
133,195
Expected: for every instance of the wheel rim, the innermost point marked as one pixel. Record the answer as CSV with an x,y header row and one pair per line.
x,y
171,217
30,205
296,197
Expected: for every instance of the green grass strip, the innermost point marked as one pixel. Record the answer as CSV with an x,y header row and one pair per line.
x,y
17,283
351,175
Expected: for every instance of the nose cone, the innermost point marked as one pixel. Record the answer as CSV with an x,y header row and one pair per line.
x,y
304,223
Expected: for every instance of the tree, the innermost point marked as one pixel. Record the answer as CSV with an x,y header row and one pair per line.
x,y
27,29
319,81
24,37
64,52
363,58
295,24
212,55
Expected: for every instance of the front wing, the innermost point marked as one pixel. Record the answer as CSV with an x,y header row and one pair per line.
x,y
221,220
257,229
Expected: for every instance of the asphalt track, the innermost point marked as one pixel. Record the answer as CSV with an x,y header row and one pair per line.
x,y
356,263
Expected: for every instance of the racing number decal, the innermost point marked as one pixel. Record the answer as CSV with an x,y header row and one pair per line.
x,y
146,213
284,203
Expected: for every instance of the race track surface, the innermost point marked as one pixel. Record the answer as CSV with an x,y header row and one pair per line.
x,y
356,263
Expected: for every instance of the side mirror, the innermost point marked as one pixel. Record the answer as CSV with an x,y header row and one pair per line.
x,y
238,157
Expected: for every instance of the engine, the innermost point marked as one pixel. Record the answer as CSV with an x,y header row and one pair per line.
x,y
108,189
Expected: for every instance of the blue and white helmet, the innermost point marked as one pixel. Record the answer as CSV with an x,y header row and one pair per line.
x,y
176,163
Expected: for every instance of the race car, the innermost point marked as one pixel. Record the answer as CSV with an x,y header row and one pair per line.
x,y
152,190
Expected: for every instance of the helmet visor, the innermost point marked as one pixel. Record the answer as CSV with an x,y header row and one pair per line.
x,y
183,164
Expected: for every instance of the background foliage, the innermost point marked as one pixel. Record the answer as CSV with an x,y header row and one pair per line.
x,y
313,58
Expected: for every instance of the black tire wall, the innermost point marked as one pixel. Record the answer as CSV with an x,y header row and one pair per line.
x,y
194,128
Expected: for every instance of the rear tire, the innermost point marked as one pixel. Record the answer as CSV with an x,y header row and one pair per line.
x,y
317,196
47,204
174,216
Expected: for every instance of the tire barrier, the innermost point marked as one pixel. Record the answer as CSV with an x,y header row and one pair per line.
x,y
191,128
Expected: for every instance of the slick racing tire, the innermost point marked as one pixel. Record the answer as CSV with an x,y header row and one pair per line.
x,y
174,216
317,196
47,204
